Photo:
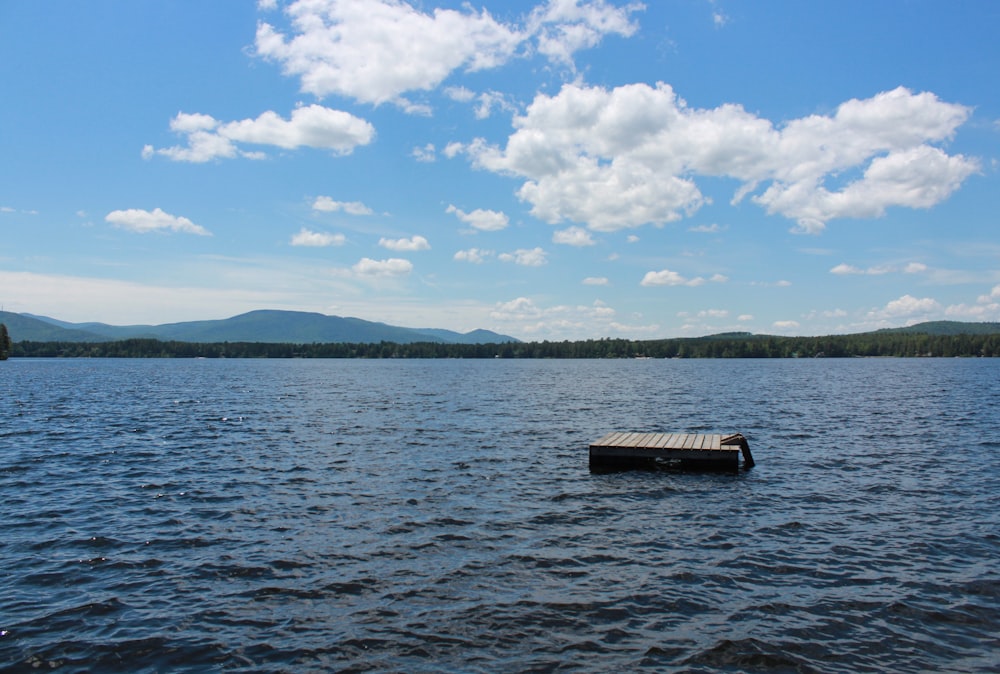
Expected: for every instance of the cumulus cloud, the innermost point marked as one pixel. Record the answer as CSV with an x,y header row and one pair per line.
x,y
375,51
328,205
596,281
631,155
667,277
534,257
425,154
844,269
486,102
138,220
986,308
564,27
307,237
994,295
518,309
566,321
481,219
310,126
907,306
414,243
574,236
381,268
474,255
460,94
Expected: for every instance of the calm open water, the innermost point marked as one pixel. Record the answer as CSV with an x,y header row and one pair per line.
x,y
425,516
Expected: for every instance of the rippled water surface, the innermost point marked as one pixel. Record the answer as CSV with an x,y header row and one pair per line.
x,y
327,515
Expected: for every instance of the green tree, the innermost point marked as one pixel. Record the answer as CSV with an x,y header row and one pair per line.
x,y
5,343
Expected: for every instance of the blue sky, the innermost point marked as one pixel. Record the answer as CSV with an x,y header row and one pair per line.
x,y
555,169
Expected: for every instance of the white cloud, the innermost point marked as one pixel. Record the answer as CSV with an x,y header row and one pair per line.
x,y
993,296
564,27
481,219
907,306
564,321
460,94
844,269
713,313
307,237
596,281
328,205
391,267
493,99
745,317
375,51
785,325
706,229
987,308
534,257
310,126
453,149
8,209
475,255
629,156
414,243
667,277
518,309
486,101
425,154
574,236
138,220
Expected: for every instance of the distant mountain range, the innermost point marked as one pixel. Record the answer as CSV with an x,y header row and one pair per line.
x,y
292,327
298,327
945,328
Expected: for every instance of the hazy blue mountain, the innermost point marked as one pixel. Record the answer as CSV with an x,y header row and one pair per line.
x,y
948,328
24,327
299,327
296,327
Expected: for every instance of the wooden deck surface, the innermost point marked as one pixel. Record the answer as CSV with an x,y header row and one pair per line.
x,y
717,448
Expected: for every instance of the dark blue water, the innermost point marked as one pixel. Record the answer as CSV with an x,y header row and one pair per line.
x,y
426,516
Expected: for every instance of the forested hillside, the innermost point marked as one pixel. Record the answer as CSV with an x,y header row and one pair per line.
x,y
871,344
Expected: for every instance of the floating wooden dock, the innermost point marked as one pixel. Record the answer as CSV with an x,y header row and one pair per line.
x,y
627,450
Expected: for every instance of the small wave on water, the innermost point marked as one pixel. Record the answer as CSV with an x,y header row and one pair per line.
x,y
431,516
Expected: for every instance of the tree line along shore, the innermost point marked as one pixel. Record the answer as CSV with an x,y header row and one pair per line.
x,y
738,345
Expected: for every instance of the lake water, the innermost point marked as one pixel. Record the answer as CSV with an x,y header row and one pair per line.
x,y
428,516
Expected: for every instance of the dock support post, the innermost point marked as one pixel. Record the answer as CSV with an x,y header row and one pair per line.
x,y
740,439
